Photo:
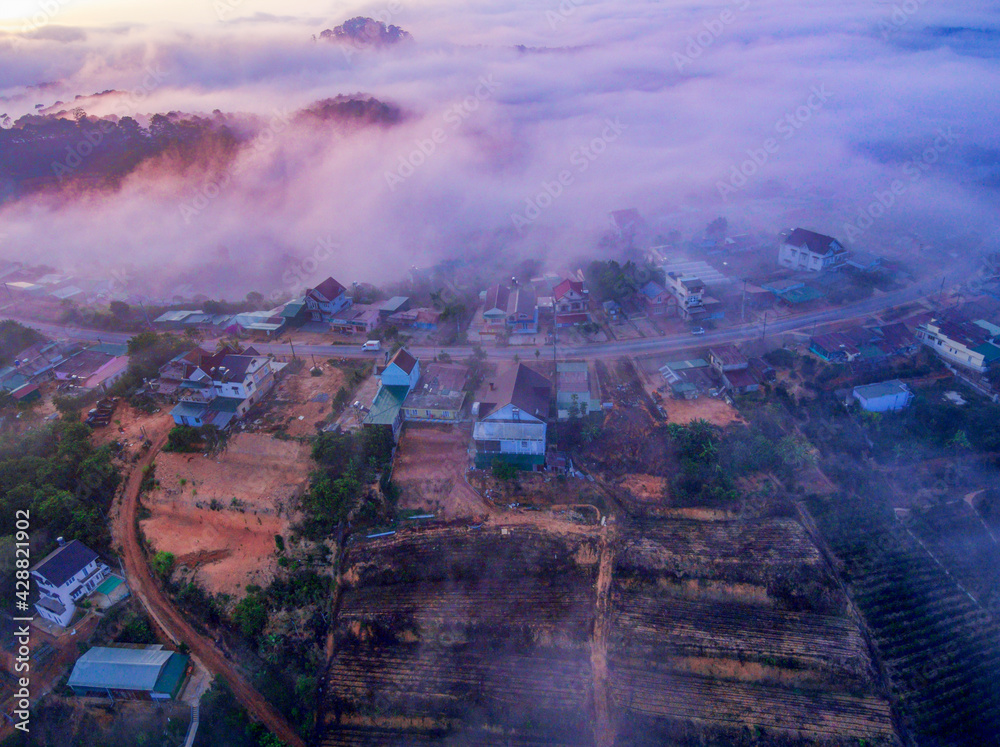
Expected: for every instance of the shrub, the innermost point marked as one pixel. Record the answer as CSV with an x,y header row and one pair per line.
x,y
163,563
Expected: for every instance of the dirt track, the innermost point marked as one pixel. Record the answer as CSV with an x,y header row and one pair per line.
x,y
168,617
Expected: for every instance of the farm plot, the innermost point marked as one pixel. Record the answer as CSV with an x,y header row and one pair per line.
x,y
430,471
219,515
939,647
726,629
467,637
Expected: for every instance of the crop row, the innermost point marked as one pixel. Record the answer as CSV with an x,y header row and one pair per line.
x,y
687,626
635,688
939,647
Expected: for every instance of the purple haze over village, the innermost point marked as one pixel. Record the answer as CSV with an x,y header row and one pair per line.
x,y
516,126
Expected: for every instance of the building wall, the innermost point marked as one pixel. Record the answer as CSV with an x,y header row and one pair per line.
x,y
950,349
886,403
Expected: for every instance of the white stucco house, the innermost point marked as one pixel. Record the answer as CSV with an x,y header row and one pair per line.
x,y
807,250
65,576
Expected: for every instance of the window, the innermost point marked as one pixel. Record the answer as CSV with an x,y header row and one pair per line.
x,y
524,444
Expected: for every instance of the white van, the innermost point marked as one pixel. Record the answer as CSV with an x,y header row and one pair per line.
x,y
371,346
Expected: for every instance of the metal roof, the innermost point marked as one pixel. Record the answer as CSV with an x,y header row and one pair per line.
x,y
881,389
120,668
386,406
491,430
61,565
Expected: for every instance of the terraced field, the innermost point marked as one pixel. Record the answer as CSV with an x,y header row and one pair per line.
x,y
469,637
939,645
671,632
709,642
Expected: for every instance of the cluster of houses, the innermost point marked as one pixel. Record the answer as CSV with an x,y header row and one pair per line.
x,y
94,368
215,387
510,411
725,369
325,307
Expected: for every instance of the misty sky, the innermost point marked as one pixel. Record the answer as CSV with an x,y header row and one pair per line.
x,y
771,112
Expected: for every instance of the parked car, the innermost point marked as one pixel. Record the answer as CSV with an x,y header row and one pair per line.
x,y
698,331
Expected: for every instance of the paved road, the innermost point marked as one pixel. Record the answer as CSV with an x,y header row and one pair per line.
x,y
615,349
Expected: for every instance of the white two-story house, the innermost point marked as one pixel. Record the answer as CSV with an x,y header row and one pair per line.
x,y
570,303
966,343
326,300
64,576
807,250
220,387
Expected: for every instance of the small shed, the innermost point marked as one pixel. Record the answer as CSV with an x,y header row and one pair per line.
x,y
886,396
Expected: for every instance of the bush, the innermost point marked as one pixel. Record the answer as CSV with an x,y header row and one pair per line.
x,y
504,470
184,438
163,563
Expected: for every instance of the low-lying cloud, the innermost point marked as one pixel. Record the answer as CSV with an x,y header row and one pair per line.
x,y
699,91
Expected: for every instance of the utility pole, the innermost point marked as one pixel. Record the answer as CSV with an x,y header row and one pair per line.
x,y
148,323
763,333
292,346
743,305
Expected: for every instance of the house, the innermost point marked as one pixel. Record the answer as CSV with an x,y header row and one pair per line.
x,y
864,262
65,576
295,313
627,224
360,319
326,299
130,672
261,325
733,368
97,367
394,305
612,310
961,341
657,300
421,318
439,395
886,396
835,347
576,387
896,339
512,420
569,303
689,292
807,250
396,380
219,387
513,309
